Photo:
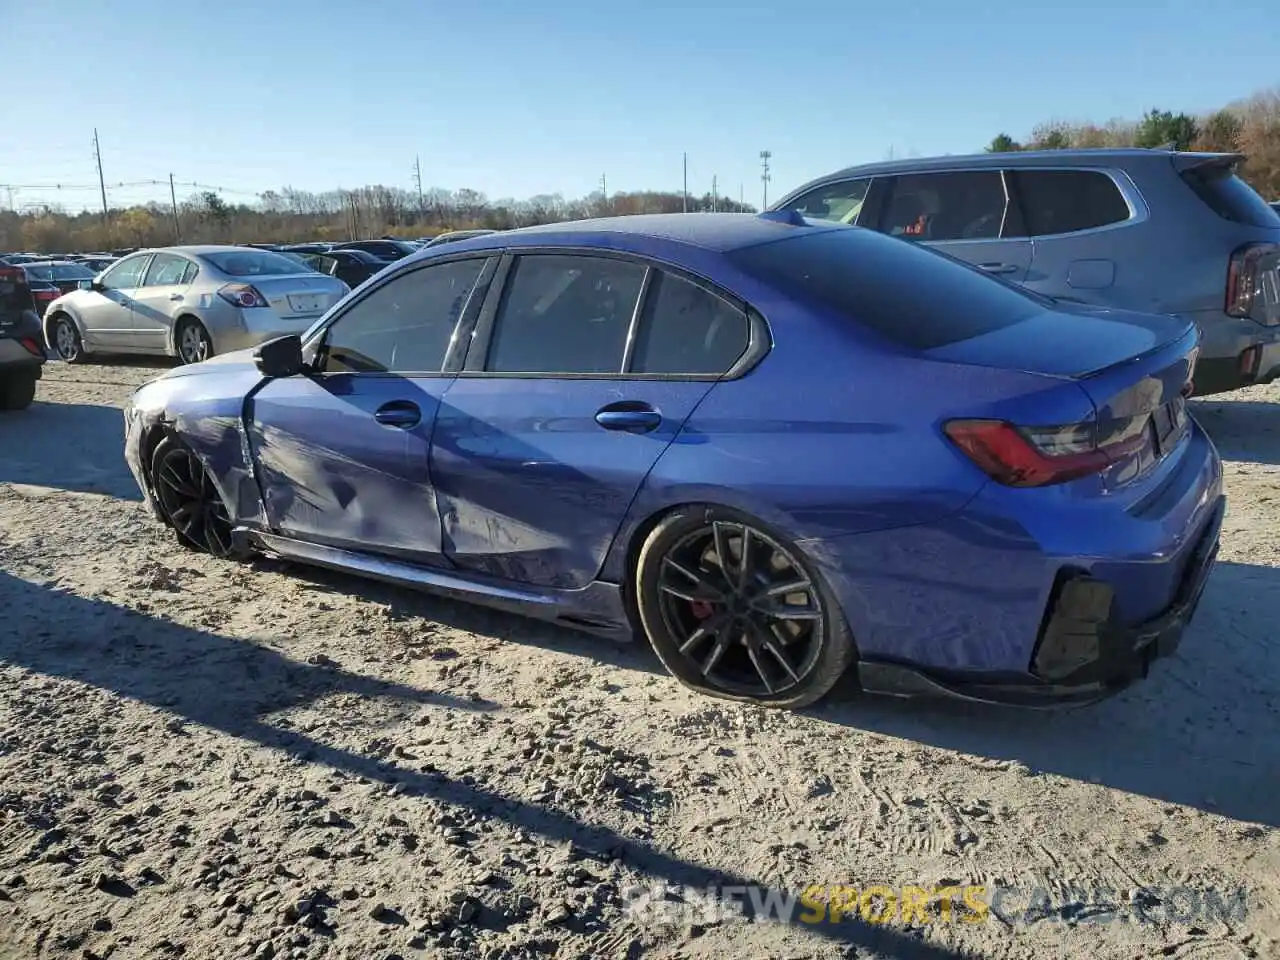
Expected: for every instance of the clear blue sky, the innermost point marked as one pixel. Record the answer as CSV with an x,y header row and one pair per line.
x,y
519,97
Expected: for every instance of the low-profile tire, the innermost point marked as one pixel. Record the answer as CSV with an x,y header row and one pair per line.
x,y
189,501
191,341
764,630
17,392
65,341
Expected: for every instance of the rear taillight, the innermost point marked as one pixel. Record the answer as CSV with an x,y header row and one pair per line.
x,y
1041,456
44,293
1244,278
33,347
243,295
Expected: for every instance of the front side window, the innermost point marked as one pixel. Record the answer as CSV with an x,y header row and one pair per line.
x,y
966,205
405,325
166,270
125,274
1067,201
686,329
565,314
838,202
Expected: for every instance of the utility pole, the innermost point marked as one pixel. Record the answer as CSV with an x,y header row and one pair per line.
x,y
713,193
741,202
684,203
173,199
604,194
765,155
102,184
417,178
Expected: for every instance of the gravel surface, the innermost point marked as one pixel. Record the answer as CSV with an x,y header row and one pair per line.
x,y
209,759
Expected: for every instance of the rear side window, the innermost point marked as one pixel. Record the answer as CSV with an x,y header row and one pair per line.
x,y
912,295
565,314
1230,197
687,330
1068,201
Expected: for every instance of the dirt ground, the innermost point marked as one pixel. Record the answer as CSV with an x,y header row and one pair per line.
x,y
209,759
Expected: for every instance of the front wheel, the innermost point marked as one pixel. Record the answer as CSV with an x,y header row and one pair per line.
x,y
189,500
65,340
193,341
736,612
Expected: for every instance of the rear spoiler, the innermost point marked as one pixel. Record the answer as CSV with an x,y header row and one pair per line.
x,y
1207,162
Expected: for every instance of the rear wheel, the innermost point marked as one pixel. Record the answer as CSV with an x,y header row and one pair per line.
x,y
189,500
65,339
192,340
17,392
735,611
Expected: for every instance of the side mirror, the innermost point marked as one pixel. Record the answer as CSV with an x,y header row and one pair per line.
x,y
281,357
86,284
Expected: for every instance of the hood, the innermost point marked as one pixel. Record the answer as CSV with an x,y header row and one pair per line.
x,y
238,361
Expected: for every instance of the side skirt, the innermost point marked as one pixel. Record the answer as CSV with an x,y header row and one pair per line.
x,y
597,609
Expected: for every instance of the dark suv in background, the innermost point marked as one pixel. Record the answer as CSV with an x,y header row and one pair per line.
x,y
1152,230
21,340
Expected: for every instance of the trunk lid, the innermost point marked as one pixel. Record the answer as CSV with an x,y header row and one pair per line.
x,y
300,296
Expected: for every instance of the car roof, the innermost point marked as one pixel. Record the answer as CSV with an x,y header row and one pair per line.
x,y
198,249
717,232
1015,158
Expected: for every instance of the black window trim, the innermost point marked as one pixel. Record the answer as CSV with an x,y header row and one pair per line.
x,y
759,336
314,349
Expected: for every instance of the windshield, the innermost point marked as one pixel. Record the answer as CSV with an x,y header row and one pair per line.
x,y
254,263
52,273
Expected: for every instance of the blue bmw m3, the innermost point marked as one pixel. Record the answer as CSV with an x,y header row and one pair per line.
x,y
779,450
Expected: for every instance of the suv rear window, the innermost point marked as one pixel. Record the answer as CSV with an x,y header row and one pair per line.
x,y
912,295
1228,196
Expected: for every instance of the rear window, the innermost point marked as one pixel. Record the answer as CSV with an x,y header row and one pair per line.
x,y
254,263
57,272
910,294
1230,197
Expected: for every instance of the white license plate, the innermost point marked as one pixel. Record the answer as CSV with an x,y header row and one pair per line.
x,y
304,303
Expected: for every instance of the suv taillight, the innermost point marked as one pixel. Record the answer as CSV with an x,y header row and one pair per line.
x,y
243,295
1244,278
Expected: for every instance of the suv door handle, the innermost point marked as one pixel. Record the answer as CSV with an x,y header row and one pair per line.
x,y
630,415
399,413
998,267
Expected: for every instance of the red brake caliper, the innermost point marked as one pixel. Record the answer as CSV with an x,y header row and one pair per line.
x,y
701,608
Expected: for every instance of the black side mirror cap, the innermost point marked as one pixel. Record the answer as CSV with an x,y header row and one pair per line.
x,y
281,357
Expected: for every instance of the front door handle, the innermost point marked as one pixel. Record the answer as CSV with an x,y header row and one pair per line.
x,y
629,415
399,413
175,296
998,267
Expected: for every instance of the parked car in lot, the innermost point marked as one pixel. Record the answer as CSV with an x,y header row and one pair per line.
x,y
352,267
1148,230
776,449
22,354
388,250
50,279
190,302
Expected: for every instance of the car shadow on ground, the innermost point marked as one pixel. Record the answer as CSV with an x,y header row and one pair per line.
x,y
230,685
1200,731
1244,430
77,447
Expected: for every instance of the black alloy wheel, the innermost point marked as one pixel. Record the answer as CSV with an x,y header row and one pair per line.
x,y
734,612
189,499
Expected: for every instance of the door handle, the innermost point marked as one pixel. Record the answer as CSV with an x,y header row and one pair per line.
x,y
398,413
175,296
998,267
629,415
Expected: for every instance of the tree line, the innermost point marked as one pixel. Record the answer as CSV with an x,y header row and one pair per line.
x,y
290,215
1250,126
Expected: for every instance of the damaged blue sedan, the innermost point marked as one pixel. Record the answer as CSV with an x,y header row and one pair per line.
x,y
781,451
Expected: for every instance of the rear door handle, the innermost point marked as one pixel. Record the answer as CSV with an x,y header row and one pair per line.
x,y
399,413
998,267
628,415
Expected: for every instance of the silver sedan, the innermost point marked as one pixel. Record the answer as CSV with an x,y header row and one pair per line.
x,y
189,302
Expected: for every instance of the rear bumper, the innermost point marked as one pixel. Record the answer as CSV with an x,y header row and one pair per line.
x,y
1235,353
1083,654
